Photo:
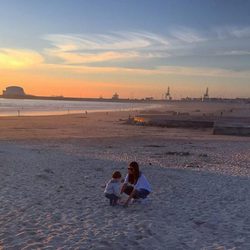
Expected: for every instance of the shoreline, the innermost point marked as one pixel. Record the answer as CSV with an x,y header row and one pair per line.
x,y
113,124
182,106
31,109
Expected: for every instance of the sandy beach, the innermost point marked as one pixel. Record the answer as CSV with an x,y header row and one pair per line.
x,y
53,169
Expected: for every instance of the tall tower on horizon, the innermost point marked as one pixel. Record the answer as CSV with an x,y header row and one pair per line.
x,y
167,95
206,95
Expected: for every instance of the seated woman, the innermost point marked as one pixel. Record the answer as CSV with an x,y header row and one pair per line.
x,y
135,184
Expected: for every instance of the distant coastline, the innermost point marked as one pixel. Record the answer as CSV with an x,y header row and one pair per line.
x,y
127,100
17,92
62,98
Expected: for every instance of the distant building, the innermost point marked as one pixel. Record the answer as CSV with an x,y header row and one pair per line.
x,y
115,96
149,98
13,91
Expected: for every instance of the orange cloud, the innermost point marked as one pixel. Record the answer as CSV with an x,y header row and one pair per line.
x,y
18,59
81,58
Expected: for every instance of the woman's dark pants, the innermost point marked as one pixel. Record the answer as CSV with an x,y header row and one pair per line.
x,y
141,193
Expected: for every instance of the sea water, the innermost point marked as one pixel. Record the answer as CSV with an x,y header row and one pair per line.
x,y
25,107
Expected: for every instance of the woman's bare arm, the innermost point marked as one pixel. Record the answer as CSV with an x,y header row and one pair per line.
x,y
129,198
123,187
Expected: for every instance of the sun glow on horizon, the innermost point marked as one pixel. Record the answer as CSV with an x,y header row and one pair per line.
x,y
18,59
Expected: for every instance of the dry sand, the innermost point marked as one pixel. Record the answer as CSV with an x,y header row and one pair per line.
x,y
52,172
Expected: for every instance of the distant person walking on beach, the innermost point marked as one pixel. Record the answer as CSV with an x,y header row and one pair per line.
x,y
113,187
135,184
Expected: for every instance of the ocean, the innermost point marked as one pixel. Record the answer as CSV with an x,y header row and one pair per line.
x,y
23,107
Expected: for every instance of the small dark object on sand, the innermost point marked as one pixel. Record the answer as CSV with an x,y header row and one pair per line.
x,y
153,146
199,223
178,153
192,165
203,155
49,171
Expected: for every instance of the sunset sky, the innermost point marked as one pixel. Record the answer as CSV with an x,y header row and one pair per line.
x,y
137,48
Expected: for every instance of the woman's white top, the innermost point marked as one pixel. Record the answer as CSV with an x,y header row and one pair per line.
x,y
142,183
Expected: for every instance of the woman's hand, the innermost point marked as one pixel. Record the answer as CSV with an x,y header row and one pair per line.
x,y
129,198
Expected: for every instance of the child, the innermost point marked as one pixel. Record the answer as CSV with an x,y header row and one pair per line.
x,y
112,190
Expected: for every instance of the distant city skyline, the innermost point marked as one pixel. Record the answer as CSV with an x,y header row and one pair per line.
x,y
135,48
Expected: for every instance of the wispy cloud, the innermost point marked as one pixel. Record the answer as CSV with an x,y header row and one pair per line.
x,y
242,32
77,49
203,71
127,46
21,59
112,41
117,51
162,70
187,35
18,59
86,58
234,53
227,32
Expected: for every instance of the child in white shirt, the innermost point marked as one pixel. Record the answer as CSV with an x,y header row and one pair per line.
x,y
113,189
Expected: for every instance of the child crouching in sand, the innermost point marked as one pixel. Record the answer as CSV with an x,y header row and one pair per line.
x,y
113,190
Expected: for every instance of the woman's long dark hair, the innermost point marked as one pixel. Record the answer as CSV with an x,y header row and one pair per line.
x,y
133,177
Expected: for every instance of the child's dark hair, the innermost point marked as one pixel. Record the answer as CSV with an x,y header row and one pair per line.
x,y
116,175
